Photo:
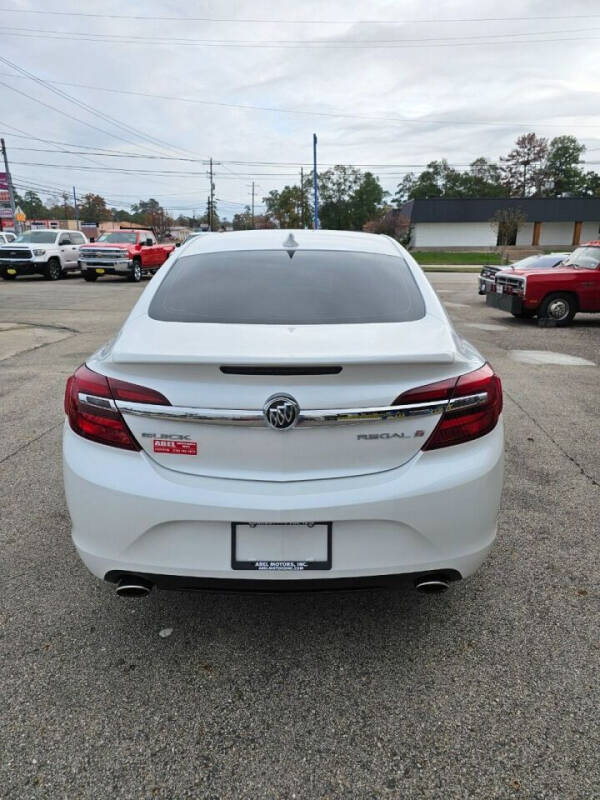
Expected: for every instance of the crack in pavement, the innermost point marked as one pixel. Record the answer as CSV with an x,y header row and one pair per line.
x,y
31,441
39,325
591,478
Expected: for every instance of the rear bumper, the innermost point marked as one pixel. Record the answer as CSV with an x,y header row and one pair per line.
x,y
436,513
505,302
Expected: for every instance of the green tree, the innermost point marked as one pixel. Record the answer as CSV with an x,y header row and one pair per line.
x,y
60,207
284,208
152,215
366,202
484,179
591,184
242,221
563,166
524,168
93,208
32,205
404,190
211,217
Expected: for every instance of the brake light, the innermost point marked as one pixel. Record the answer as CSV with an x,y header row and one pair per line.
x,y
91,410
474,406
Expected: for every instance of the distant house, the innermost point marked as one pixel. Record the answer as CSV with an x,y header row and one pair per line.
x,y
466,223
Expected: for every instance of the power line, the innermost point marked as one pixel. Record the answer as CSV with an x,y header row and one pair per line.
x,y
412,44
310,113
437,21
85,106
224,163
317,43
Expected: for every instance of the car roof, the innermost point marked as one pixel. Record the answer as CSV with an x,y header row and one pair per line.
x,y
273,239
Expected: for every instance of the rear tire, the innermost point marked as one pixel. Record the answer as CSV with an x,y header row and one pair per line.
x,y
136,272
53,271
559,308
90,277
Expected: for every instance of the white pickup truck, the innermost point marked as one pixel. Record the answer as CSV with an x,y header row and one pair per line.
x,y
50,253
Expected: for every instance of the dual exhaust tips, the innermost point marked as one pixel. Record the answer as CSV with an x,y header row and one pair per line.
x,y
136,586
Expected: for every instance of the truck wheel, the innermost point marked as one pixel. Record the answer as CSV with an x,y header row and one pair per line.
x,y
53,270
90,277
560,307
135,274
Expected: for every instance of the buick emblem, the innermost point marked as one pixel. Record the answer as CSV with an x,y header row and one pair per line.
x,y
281,412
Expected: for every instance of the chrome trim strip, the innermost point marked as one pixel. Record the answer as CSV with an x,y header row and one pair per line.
x,y
471,401
307,419
99,402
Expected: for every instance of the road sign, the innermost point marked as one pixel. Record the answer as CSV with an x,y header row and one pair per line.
x,y
20,215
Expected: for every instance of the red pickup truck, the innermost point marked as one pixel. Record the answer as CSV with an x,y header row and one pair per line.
x,y
131,253
554,294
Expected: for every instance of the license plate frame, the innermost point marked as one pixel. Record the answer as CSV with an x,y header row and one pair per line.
x,y
282,566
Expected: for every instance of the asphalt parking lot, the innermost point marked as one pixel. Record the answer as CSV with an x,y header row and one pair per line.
x,y
489,691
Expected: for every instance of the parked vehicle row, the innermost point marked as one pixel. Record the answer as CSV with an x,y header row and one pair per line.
x,y
489,272
554,293
53,253
129,253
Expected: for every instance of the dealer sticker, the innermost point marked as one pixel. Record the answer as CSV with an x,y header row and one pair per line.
x,y
176,448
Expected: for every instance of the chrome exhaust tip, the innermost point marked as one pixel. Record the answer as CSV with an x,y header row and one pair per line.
x,y
133,586
431,586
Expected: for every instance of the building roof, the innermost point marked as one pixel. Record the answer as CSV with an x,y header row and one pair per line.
x,y
482,209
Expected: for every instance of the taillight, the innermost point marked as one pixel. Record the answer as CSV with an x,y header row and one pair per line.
x,y
92,412
474,406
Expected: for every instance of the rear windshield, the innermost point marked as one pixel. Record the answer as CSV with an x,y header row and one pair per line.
x,y
313,287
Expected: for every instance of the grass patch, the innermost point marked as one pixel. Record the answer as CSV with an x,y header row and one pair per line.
x,y
447,257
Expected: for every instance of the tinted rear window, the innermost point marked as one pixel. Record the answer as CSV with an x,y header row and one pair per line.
x,y
314,287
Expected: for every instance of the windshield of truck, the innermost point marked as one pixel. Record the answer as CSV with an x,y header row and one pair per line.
x,y
118,237
586,257
39,237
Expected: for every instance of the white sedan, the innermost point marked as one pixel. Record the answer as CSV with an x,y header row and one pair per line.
x,y
284,410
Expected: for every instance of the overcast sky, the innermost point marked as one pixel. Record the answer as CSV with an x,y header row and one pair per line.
x,y
436,88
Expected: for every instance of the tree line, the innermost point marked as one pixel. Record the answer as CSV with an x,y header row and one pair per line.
x,y
350,199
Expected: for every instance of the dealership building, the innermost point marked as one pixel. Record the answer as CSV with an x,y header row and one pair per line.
x,y
469,223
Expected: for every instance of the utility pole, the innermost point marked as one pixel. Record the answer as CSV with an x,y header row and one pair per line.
x,y
302,221
252,205
11,193
315,184
212,198
76,207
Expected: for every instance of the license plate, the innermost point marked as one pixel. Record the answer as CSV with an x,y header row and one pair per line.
x,y
100,271
12,271
281,546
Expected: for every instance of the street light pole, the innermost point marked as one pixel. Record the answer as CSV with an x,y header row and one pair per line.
x,y
315,184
